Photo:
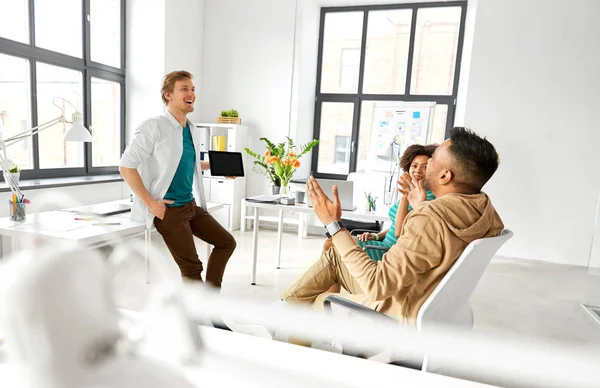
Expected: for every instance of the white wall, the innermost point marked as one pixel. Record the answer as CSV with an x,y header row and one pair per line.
x,y
162,36
305,78
183,39
145,59
534,91
247,65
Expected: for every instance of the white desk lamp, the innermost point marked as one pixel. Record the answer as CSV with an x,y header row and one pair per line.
x,y
391,153
77,132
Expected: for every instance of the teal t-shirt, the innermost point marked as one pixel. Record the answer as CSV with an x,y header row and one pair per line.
x,y
180,190
390,238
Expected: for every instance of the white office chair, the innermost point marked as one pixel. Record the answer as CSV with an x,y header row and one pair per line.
x,y
64,330
449,304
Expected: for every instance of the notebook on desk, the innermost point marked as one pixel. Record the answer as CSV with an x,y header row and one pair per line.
x,y
103,209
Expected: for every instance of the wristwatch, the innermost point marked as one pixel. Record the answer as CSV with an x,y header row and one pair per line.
x,y
335,227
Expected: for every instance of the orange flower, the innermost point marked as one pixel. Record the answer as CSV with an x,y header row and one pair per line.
x,y
275,158
291,154
296,163
267,153
269,159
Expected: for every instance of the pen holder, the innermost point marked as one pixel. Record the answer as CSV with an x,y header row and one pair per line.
x,y
17,211
371,205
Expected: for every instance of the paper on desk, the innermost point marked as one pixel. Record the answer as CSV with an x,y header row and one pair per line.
x,y
56,227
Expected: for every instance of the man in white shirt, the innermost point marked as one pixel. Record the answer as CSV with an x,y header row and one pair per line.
x,y
160,166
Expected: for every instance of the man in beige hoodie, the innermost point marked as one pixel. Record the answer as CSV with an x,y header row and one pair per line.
x,y
434,234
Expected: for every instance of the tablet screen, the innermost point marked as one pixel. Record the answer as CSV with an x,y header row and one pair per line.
x,y
226,163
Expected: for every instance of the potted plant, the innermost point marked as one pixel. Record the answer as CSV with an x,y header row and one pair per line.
x,y
279,162
229,117
15,173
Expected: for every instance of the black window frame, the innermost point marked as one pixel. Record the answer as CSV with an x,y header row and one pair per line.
x,y
89,69
358,97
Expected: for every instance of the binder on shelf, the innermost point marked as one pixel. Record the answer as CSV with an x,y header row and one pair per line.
x,y
204,138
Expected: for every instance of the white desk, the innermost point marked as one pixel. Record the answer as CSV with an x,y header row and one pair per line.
x,y
233,359
302,210
61,225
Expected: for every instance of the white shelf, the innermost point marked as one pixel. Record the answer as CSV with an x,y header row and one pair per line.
x,y
215,125
218,188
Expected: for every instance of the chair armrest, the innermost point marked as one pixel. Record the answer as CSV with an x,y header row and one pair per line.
x,y
376,316
355,307
356,232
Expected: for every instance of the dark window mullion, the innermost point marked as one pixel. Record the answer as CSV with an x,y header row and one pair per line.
x,y
363,52
411,50
87,88
35,144
87,106
53,173
316,135
32,23
459,49
357,99
123,36
355,134
320,53
450,118
336,97
86,32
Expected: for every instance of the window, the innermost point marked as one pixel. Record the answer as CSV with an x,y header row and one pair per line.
x,y
349,66
73,50
342,149
385,72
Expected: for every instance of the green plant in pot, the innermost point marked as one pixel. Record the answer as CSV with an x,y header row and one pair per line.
x,y
230,113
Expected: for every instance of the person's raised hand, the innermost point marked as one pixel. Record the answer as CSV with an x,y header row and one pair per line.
x,y
325,209
417,194
405,184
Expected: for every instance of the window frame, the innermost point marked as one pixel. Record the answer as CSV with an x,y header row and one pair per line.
x,y
359,97
89,69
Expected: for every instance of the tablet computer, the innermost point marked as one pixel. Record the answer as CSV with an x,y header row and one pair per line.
x,y
225,163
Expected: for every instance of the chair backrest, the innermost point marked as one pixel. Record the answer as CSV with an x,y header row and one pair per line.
x,y
449,302
371,181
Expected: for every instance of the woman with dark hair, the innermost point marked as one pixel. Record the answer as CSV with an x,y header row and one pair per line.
x,y
414,164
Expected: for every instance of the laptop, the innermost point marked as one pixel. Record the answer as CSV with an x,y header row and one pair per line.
x,y
345,192
103,209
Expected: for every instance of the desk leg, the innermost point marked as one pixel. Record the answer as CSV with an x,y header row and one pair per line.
x,y
304,225
279,237
254,247
243,217
300,227
147,245
14,245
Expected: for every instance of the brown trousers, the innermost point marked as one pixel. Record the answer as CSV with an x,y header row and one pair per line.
x,y
178,228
